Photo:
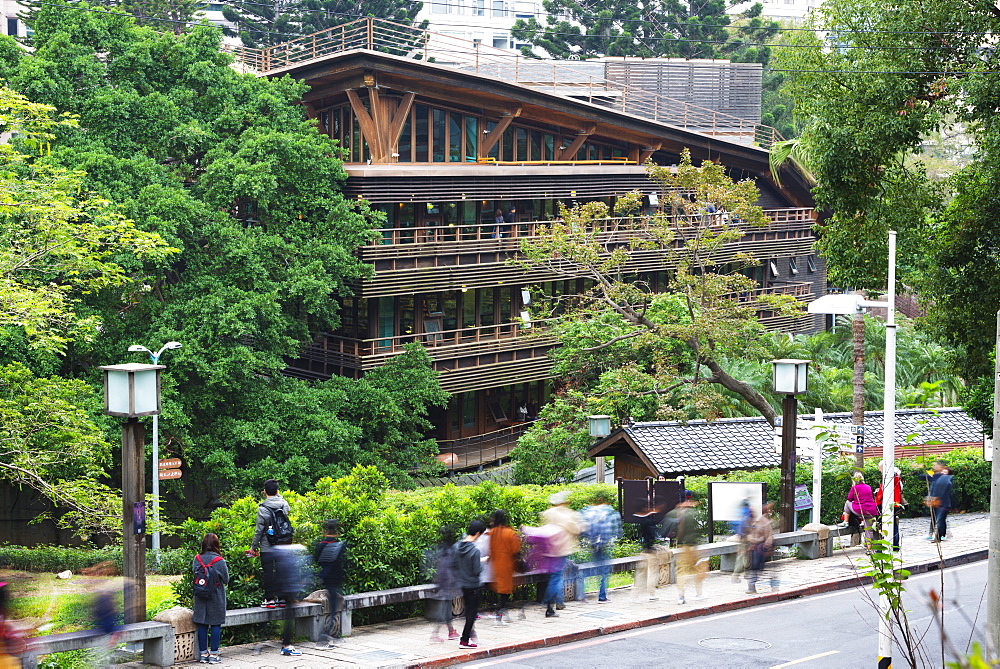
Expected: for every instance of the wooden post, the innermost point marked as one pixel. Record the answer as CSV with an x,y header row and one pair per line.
x,y
134,545
789,424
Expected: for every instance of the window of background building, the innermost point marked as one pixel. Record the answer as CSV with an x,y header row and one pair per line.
x,y
437,135
480,8
12,27
500,40
498,8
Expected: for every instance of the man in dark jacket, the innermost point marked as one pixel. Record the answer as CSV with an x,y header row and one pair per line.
x,y
468,566
939,499
330,553
261,546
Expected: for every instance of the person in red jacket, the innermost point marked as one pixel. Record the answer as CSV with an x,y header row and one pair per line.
x,y
897,503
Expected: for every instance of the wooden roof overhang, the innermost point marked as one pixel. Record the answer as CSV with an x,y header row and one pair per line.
x,y
619,443
330,77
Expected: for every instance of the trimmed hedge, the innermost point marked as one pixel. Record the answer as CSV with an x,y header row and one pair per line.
x,y
60,558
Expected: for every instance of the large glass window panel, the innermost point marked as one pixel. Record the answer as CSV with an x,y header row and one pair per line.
x,y
508,144
536,145
437,135
486,307
406,314
386,320
522,144
356,152
407,220
469,309
450,307
550,151
504,305
421,140
491,126
469,410
387,231
405,149
498,8
471,139
454,137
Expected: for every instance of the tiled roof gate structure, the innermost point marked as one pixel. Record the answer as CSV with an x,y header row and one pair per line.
x,y
699,447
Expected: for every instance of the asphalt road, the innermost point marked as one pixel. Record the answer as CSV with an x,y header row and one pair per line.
x,y
825,631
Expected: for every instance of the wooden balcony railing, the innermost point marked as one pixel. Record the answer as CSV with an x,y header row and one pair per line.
x,y
469,340
481,449
507,234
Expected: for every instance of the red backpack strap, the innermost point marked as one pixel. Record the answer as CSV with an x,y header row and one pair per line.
x,y
200,561
217,558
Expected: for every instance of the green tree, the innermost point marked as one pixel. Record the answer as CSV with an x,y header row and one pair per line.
x,y
225,167
261,24
685,334
554,446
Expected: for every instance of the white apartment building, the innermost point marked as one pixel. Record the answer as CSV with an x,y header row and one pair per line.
x,y
484,21
791,11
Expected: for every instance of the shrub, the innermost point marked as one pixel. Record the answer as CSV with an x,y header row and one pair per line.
x,y
387,531
60,558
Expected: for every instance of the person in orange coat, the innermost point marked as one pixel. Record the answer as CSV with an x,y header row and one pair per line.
x,y
504,547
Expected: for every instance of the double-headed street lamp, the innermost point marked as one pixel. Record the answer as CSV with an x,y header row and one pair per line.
x,y
852,304
155,357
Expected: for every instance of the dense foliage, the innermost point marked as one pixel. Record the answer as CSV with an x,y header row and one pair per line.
x,y
206,209
387,531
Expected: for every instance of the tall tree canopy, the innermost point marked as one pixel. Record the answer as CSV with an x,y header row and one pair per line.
x,y
663,28
226,169
883,81
261,24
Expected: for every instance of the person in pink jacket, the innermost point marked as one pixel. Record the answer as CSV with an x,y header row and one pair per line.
x,y
861,502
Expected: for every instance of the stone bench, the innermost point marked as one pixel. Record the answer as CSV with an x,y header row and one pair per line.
x,y
157,646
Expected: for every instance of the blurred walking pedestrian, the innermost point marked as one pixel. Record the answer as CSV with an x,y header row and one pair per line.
x,y
11,638
293,572
938,499
604,528
564,543
647,575
468,567
760,539
273,528
689,566
439,609
504,549
897,503
211,575
330,553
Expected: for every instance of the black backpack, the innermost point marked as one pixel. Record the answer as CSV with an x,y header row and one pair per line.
x,y
280,531
205,582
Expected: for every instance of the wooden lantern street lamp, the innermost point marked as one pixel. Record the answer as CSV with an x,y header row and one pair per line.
x,y
791,378
600,427
130,391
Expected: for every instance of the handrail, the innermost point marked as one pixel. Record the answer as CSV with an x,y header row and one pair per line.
x,y
374,34
460,231
444,338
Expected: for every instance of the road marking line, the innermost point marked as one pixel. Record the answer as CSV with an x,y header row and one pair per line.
x,y
606,638
805,659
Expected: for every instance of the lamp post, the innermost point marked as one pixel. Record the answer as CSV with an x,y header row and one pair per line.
x,y
852,304
155,357
130,391
600,427
791,378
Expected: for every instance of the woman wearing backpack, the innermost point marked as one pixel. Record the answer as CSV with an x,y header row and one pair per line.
x,y
211,575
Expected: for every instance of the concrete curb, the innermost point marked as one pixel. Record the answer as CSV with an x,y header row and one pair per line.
x,y
852,581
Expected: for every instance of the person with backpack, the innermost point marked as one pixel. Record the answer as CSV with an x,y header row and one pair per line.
x,y
604,528
273,529
330,553
211,575
441,561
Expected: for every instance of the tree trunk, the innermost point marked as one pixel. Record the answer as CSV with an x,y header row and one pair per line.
x,y
858,403
744,390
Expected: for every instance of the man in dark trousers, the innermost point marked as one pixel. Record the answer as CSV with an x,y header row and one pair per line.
x,y
263,544
938,499
468,566
330,553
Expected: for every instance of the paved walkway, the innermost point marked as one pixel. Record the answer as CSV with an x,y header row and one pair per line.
x,y
406,643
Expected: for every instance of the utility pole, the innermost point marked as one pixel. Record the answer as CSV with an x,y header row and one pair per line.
x,y
993,566
888,453
134,519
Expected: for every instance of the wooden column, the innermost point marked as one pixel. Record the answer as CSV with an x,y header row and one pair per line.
x,y
134,545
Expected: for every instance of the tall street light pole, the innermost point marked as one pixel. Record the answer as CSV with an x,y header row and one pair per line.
x,y
155,357
852,304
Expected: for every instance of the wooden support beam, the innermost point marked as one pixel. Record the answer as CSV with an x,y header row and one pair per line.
x,y
493,136
365,122
648,151
380,118
570,151
398,121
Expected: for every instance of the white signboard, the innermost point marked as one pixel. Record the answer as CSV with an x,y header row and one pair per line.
x,y
726,498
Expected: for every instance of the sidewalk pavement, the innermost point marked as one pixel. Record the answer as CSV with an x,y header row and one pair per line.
x,y
405,643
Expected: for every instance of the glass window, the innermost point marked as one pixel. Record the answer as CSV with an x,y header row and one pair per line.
x,y
536,145
405,143
406,314
471,139
522,144
498,9
469,309
480,8
500,40
422,139
386,320
503,302
439,7
508,144
454,137
486,307
407,219
469,410
495,151
550,149
356,142
437,136
450,308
